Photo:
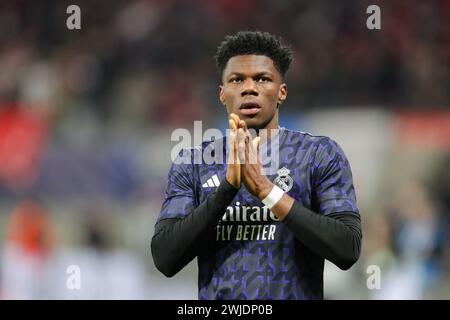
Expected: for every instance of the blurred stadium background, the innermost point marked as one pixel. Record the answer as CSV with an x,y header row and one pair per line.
x,y
86,118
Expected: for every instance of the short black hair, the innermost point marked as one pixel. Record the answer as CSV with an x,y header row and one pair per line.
x,y
254,42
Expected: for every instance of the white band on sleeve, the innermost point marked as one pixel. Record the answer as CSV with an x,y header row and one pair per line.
x,y
273,197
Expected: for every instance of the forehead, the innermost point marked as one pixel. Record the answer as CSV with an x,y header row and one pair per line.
x,y
249,64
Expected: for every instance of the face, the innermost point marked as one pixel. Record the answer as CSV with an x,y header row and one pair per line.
x,y
252,88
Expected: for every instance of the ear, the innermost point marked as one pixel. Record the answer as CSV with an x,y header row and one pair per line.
x,y
221,95
282,93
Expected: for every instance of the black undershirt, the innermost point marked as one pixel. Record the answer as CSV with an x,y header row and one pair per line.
x,y
176,241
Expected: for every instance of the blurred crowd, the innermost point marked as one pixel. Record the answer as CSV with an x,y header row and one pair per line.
x,y
150,62
408,239
86,117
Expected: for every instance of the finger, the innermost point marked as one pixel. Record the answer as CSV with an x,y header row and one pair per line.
x,y
235,149
256,142
242,124
235,118
247,133
241,145
233,144
255,149
232,124
250,154
233,155
231,118
247,148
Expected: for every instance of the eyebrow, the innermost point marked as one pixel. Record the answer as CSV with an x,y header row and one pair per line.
x,y
259,74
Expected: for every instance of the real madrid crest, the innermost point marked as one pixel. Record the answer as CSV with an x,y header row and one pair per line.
x,y
284,181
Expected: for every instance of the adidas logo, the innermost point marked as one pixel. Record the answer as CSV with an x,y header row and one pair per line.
x,y
212,182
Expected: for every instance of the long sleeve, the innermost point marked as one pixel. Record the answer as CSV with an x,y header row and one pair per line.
x,y
335,237
177,241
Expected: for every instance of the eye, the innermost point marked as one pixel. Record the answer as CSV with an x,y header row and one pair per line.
x,y
235,80
263,79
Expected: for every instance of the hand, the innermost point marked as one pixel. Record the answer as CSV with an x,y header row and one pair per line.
x,y
233,175
251,167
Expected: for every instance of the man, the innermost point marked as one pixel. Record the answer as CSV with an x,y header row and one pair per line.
x,y
259,236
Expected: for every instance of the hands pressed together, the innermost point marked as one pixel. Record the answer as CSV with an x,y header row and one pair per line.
x,y
244,163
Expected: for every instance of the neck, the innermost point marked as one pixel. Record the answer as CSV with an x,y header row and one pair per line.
x,y
271,126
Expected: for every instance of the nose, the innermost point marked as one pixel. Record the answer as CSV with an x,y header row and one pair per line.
x,y
249,88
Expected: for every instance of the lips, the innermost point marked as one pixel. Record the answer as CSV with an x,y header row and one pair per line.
x,y
249,108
